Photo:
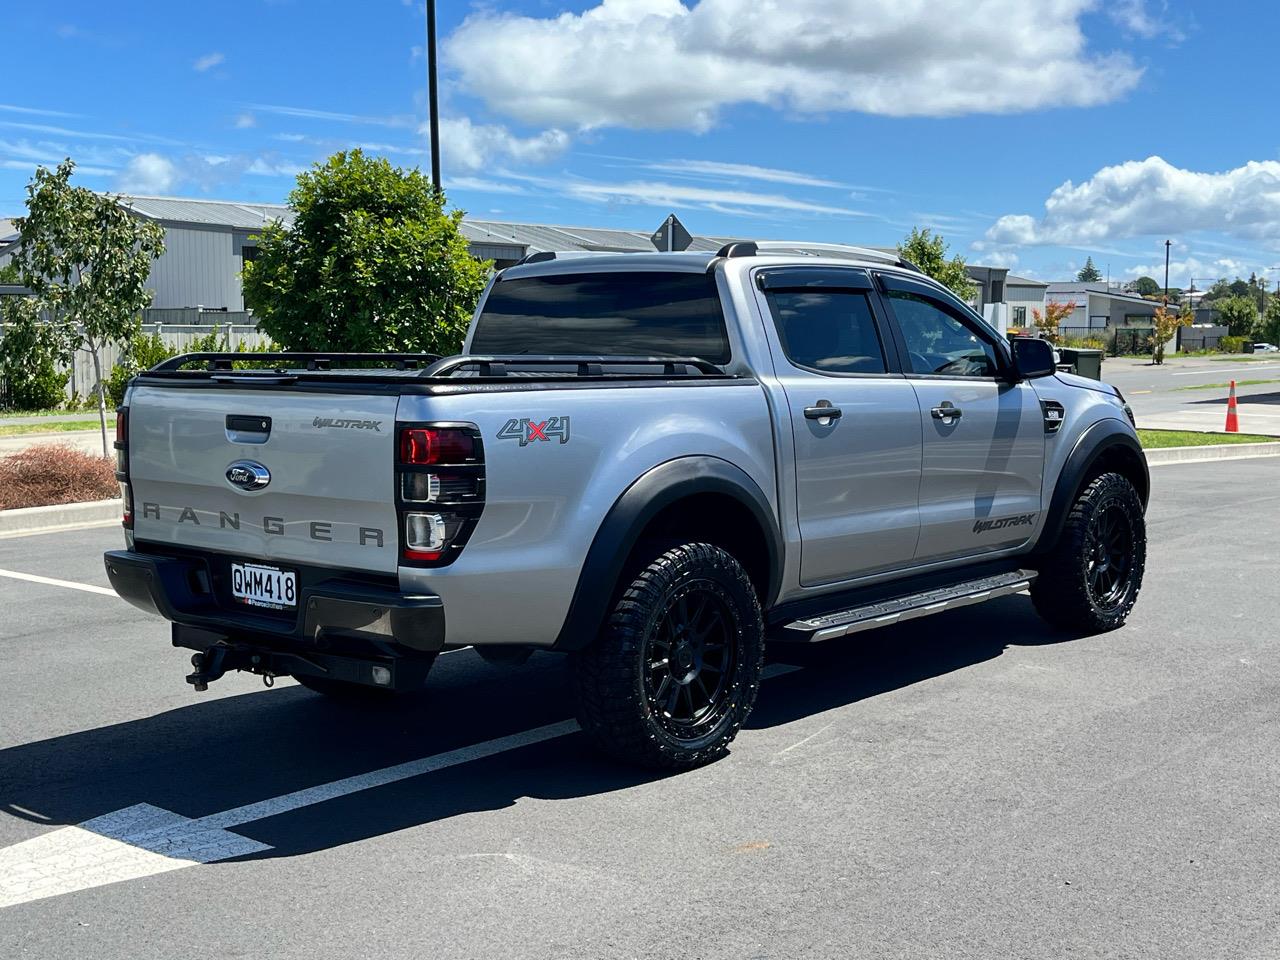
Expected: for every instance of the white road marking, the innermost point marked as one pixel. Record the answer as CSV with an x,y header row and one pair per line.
x,y
53,582
145,840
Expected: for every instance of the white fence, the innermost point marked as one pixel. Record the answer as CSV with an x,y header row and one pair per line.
x,y
178,337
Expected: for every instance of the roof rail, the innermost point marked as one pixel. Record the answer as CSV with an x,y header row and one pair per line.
x,y
543,256
755,248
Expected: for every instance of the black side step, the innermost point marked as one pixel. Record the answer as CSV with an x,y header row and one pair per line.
x,y
909,606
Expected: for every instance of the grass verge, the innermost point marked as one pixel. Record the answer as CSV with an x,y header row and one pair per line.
x,y
1155,439
1224,386
58,426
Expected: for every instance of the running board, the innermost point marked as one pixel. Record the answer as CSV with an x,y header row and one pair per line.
x,y
909,607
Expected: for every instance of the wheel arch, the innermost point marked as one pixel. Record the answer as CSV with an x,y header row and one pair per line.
x,y
705,498
1106,446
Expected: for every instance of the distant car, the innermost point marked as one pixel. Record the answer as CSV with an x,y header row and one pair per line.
x,y
1265,348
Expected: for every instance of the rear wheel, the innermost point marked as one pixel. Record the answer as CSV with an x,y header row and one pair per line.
x,y
675,671
1091,577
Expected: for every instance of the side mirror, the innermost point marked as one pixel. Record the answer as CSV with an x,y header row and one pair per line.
x,y
1032,357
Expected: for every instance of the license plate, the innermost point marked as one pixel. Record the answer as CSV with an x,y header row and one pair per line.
x,y
261,586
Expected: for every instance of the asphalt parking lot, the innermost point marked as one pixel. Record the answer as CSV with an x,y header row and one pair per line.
x,y
970,785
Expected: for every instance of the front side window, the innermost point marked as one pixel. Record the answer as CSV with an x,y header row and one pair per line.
x,y
940,343
634,313
830,331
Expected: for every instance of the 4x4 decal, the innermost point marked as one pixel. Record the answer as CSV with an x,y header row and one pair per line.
x,y
527,431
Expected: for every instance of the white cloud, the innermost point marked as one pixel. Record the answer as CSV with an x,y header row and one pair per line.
x,y
208,62
1204,272
245,121
650,193
718,170
468,146
1136,18
1151,198
148,173
661,64
306,113
33,111
1000,258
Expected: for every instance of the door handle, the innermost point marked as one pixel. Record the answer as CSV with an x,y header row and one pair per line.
x,y
823,410
947,411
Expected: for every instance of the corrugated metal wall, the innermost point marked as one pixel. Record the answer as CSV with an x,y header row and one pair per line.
x,y
199,268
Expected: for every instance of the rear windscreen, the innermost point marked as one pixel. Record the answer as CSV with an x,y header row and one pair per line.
x,y
608,314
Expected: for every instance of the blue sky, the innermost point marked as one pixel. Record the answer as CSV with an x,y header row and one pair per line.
x,y
1032,133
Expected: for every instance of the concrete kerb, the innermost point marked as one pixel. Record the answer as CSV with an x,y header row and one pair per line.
x,y
1217,451
60,516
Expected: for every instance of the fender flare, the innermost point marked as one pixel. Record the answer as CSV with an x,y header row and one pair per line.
x,y
1106,437
624,524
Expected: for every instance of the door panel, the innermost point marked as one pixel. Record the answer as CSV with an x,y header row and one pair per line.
x,y
857,469
983,454
981,482
857,478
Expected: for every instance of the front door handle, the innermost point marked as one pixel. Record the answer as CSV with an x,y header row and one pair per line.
x,y
823,410
947,411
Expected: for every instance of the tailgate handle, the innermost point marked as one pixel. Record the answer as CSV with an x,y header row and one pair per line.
x,y
248,429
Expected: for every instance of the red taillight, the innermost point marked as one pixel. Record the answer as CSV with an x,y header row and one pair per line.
x,y
122,466
422,446
439,491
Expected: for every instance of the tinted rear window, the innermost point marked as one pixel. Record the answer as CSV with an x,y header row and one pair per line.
x,y
611,314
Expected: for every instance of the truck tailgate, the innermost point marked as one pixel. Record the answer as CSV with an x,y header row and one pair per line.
x,y
329,500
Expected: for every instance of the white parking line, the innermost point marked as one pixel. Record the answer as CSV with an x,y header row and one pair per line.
x,y
53,582
144,840
1207,373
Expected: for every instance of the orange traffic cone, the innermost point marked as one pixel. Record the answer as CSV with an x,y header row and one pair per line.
x,y
1233,425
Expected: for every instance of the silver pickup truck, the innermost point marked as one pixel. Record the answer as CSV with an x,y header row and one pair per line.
x,y
654,463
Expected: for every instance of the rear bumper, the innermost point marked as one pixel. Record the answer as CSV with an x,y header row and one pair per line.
x,y
333,614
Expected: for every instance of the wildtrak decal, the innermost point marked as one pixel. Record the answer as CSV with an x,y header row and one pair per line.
x,y
321,423
1021,520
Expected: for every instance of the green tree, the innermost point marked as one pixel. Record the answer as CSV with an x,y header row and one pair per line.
x,y
1089,273
372,263
1240,314
928,251
9,273
1146,287
1165,325
1268,329
86,258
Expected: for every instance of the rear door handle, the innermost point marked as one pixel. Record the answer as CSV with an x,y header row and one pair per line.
x,y
823,410
947,411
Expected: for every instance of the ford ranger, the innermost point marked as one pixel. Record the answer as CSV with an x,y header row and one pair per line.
x,y
651,462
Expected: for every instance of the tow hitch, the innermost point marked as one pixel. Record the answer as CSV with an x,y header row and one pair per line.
x,y
213,663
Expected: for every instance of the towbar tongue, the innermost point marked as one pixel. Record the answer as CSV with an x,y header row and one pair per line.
x,y
210,666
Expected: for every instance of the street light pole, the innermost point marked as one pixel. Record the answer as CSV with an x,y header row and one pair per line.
x,y
433,105
1167,245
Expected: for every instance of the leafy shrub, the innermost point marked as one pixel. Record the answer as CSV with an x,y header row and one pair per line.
x,y
141,353
1232,344
1084,343
49,474
32,354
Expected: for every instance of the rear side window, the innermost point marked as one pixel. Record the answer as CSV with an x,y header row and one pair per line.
x,y
612,314
830,331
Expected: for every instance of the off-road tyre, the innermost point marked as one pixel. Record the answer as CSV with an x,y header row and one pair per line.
x,y
1089,580
694,607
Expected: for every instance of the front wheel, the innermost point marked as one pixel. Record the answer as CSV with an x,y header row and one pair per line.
x,y
675,671
1089,580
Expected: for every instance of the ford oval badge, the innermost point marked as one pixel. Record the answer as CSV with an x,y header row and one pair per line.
x,y
248,475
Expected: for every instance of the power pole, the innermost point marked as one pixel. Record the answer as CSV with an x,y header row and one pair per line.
x,y
1167,245
433,104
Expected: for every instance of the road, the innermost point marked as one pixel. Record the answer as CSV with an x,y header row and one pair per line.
x,y
1167,396
967,786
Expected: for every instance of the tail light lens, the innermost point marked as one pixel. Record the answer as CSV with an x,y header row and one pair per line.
x,y
122,466
439,491
423,446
